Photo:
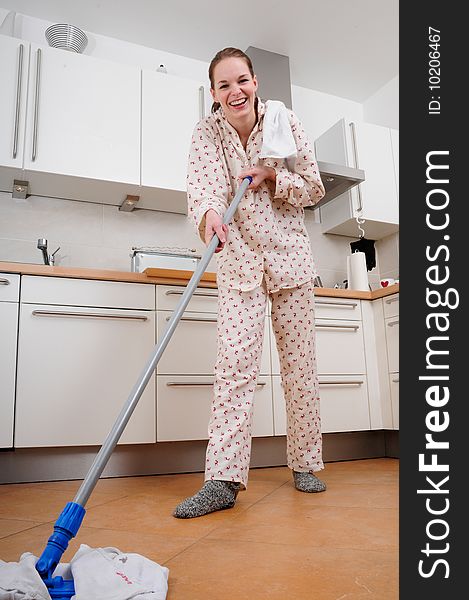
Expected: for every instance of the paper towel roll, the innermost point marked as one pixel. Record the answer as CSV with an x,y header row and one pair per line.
x,y
357,272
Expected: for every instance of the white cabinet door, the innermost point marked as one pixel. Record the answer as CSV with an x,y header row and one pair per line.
x,y
9,291
375,150
83,117
375,156
184,407
171,107
394,385
14,60
13,75
343,404
76,368
392,343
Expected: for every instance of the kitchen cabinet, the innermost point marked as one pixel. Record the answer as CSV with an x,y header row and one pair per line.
x,y
185,371
9,298
375,150
14,77
82,345
83,121
80,125
391,313
341,368
171,107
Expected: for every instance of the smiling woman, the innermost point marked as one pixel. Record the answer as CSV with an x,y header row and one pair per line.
x,y
266,254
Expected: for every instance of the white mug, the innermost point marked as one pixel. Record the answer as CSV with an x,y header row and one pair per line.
x,y
385,282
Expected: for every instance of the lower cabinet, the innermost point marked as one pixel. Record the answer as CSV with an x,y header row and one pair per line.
x,y
78,364
9,296
185,371
184,407
343,402
394,386
341,369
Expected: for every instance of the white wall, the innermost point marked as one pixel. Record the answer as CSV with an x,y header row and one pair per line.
x,y
92,235
382,108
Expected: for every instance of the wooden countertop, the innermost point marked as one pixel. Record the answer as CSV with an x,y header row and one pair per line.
x,y
167,277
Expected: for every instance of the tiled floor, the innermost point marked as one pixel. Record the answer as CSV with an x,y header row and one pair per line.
x,y
276,543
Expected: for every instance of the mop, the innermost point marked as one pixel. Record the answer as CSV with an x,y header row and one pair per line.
x,y
69,521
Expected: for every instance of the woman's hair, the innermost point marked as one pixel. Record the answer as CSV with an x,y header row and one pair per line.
x,y
219,56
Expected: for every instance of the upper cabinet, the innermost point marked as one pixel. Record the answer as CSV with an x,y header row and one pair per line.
x,y
80,129
90,129
171,106
375,150
83,117
13,75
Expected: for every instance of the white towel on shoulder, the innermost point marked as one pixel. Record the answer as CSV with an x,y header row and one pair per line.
x,y
278,140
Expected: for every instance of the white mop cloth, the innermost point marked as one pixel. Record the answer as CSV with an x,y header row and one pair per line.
x,y
21,581
104,573
277,136
109,574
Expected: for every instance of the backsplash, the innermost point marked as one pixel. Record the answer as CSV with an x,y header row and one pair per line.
x,y
101,236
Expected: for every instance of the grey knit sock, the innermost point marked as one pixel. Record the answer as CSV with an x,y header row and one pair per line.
x,y
214,495
308,482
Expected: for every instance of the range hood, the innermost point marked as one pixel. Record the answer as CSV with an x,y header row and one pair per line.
x,y
273,72
337,179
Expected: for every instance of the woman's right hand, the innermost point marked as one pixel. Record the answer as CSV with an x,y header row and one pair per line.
x,y
214,224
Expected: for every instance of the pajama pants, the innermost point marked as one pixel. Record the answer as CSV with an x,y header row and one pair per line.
x,y
240,335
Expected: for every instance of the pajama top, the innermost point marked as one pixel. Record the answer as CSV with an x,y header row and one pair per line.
x,y
267,236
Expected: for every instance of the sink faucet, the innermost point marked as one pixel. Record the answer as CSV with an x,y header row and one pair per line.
x,y
49,259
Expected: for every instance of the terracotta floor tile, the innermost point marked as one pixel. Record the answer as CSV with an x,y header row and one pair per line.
x,y
380,470
339,494
213,570
316,525
11,526
156,547
39,504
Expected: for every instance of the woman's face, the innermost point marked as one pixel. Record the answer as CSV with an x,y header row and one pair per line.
x,y
234,88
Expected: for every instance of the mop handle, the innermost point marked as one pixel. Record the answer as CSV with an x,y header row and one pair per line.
x,y
114,435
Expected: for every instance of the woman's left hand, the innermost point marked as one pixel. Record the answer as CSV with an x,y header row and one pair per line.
x,y
258,174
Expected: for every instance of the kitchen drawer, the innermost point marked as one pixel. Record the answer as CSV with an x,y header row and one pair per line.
x,y
394,386
203,299
183,407
193,346
76,368
339,347
85,292
9,287
391,306
392,343
337,308
343,404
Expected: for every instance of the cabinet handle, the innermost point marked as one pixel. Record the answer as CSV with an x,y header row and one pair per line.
x,y
36,103
19,81
201,101
396,380
338,303
201,319
199,383
355,160
354,327
390,300
392,323
58,313
4,281
180,293
341,382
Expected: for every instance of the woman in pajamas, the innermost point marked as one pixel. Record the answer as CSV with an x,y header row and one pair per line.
x,y
265,253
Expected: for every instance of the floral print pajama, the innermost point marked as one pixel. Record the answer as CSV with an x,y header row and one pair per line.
x,y
267,255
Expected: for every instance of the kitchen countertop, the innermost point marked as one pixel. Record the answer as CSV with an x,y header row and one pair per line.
x,y
167,277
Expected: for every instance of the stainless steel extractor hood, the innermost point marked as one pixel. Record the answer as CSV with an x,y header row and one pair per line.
x,y
273,72
338,179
